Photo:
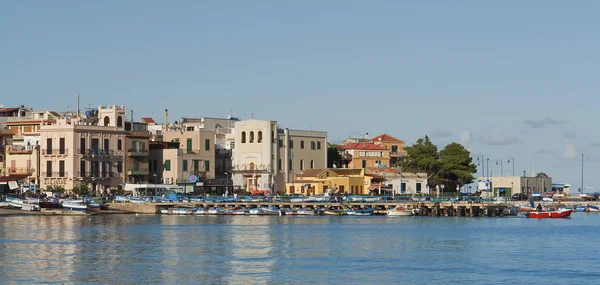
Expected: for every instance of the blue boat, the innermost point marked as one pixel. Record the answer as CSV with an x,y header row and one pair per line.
x,y
360,212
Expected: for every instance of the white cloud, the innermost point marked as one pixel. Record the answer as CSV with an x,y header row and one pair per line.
x,y
499,139
465,137
570,152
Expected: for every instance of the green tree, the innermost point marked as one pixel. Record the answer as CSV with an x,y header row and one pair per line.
x,y
82,189
333,156
457,166
421,157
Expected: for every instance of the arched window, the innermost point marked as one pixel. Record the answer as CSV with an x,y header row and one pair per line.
x,y
251,137
312,164
301,164
259,137
243,137
119,121
106,121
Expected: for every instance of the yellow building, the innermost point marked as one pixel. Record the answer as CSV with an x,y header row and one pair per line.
x,y
394,145
317,181
363,155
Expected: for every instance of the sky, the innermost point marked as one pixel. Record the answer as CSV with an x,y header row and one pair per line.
x,y
508,79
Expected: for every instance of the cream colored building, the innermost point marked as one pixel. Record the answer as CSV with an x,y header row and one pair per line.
x,y
196,155
265,156
88,151
340,180
508,185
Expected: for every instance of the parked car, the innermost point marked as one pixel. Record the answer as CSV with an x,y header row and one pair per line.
x,y
519,197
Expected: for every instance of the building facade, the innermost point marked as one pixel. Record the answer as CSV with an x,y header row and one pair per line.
x,y
363,155
87,151
339,180
508,185
137,144
394,145
265,156
195,155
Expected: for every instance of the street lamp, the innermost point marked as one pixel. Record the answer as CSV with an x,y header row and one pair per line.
x,y
482,166
512,161
500,161
155,186
442,186
302,186
226,182
582,173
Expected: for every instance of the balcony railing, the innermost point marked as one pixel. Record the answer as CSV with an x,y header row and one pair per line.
x,y
139,171
251,167
137,152
96,175
56,174
19,149
96,152
55,151
19,170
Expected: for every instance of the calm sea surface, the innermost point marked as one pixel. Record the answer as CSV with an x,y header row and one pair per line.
x,y
130,249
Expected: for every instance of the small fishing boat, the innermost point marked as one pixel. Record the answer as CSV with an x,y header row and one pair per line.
x,y
305,212
592,209
4,204
290,212
271,210
76,205
400,211
334,212
303,199
360,212
201,211
561,213
254,211
242,211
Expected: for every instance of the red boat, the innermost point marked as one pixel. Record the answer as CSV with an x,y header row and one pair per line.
x,y
563,213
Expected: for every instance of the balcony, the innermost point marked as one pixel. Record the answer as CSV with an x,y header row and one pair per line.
x,y
95,152
55,174
251,168
93,176
19,149
137,152
55,152
139,171
19,171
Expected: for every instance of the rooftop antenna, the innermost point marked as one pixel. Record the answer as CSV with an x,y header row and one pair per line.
x,y
77,118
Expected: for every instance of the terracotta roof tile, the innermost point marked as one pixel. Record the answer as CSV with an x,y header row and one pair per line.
x,y
311,172
387,138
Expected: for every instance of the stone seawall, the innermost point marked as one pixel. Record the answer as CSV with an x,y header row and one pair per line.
x,y
141,208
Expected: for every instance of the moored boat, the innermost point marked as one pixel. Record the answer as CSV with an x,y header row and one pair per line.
x,y
271,210
562,213
77,205
360,212
400,211
334,212
305,212
592,209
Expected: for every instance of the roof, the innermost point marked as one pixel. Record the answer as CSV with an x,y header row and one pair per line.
x,y
377,171
2,110
364,146
387,138
148,120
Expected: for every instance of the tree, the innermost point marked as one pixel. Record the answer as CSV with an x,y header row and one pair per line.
x,y
82,189
421,157
457,166
333,156
542,175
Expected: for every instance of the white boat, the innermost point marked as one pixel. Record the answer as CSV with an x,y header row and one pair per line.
x,y
360,212
400,211
181,211
201,211
306,212
303,199
74,205
254,211
23,205
4,204
271,210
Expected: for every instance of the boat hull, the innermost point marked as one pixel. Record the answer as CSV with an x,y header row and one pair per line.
x,y
550,214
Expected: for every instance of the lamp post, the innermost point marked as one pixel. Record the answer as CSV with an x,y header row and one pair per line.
x,y
482,165
582,173
226,182
511,160
500,161
442,187
302,186
400,177
491,175
155,186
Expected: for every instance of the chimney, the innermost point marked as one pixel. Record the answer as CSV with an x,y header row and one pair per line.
x,y
166,119
367,136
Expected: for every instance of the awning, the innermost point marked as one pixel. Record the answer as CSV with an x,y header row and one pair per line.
x,y
12,185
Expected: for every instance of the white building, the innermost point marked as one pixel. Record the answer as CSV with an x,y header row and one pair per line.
x,y
265,157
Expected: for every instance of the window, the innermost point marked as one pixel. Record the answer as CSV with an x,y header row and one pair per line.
x,y
104,168
251,137
312,145
136,165
279,164
394,149
120,122
259,137
207,144
82,146
364,164
206,165
188,147
120,166
318,145
61,168
280,143
196,165
49,145
301,144
168,165
301,164
106,145
106,121
291,166
49,169
119,144
403,187
312,164
82,169
418,187
291,144
243,137
185,167
95,145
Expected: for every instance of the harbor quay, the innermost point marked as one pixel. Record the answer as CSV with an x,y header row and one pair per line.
x,y
428,208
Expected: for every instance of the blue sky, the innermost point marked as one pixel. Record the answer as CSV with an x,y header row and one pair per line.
x,y
506,78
